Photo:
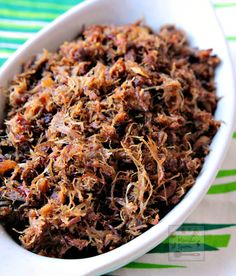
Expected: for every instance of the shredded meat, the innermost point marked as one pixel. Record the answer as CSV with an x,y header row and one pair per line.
x,y
103,137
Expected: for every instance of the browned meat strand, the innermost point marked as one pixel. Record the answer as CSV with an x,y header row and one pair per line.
x,y
103,137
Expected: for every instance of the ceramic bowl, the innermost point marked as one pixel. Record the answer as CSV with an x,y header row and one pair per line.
x,y
197,18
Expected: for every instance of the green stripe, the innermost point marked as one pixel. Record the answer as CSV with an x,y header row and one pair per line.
x,y
135,265
28,15
35,5
2,60
202,226
211,240
222,188
20,28
225,173
231,38
7,51
234,134
182,247
224,5
16,7
13,40
217,240
68,2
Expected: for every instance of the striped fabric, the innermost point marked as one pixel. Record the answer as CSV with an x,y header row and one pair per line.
x,y
21,19
205,243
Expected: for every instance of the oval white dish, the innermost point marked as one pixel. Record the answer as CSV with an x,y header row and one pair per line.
x,y
198,19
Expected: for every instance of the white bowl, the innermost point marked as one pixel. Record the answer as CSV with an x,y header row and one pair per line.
x,y
197,18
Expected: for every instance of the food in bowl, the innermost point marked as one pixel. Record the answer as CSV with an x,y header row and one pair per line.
x,y
103,137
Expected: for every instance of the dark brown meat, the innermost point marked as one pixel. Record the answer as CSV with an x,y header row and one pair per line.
x,y
103,137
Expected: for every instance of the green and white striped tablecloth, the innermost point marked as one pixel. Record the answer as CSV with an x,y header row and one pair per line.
x,y
207,239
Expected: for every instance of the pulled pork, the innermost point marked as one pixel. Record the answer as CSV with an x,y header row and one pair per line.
x,y
103,137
